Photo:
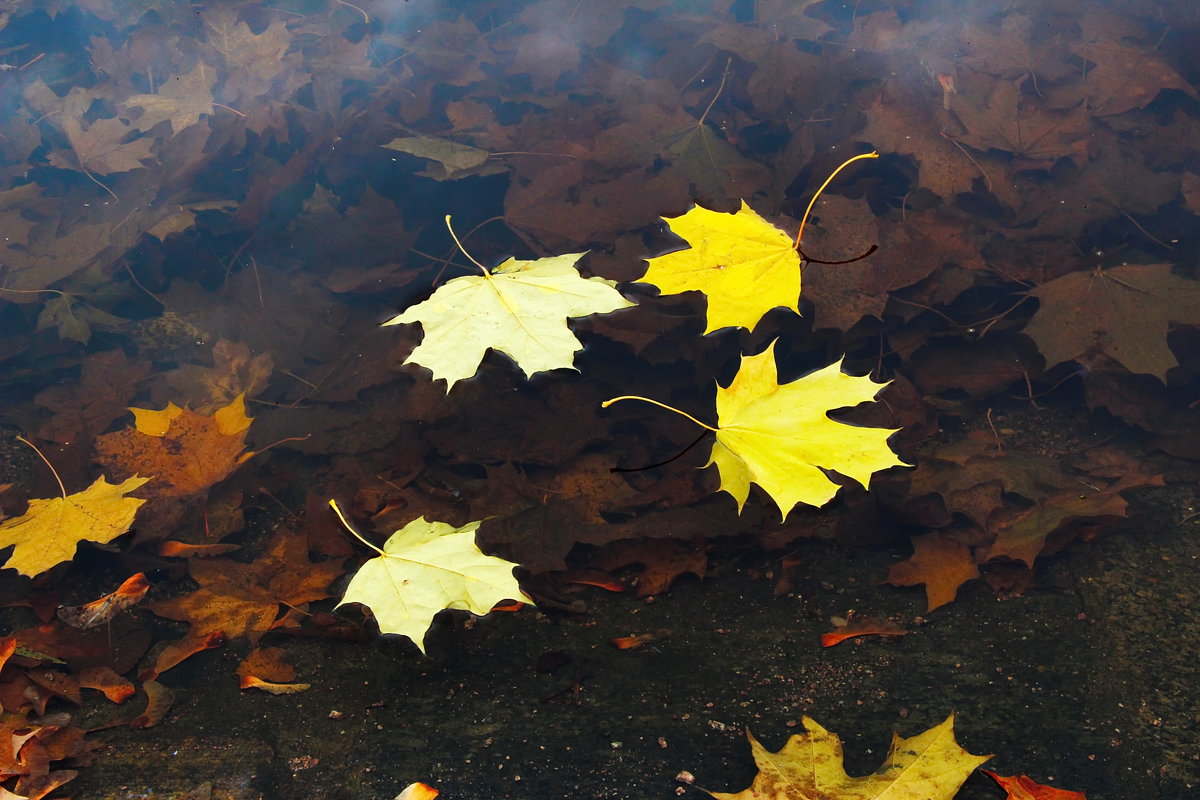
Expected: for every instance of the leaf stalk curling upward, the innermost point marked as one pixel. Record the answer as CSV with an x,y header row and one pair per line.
x,y
829,180
486,272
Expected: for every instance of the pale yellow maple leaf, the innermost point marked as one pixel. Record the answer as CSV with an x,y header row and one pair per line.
x,y
928,766
520,309
49,530
426,567
782,438
743,264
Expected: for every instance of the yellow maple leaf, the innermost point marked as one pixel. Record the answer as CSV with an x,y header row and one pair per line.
x,y
929,766
744,265
520,309
49,530
782,438
426,567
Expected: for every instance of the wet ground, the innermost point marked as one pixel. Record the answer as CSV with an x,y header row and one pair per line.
x,y
1085,682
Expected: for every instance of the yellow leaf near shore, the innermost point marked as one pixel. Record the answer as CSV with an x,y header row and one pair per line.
x,y
929,766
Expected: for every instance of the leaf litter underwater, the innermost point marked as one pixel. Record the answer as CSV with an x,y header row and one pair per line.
x,y
923,276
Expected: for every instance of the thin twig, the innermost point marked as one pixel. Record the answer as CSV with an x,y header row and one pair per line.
x,y
986,178
138,284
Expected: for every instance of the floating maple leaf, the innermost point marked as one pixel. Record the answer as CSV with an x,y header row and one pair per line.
x,y
929,766
520,309
426,567
743,264
781,437
47,533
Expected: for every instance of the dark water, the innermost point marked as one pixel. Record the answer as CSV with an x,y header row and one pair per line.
x,y
214,204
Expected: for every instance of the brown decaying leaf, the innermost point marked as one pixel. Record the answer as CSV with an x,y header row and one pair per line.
x,y
172,654
243,600
1123,312
89,615
662,561
159,700
103,679
82,409
264,669
938,561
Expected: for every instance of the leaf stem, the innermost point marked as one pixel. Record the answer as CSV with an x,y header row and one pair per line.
x,y
608,403
53,471
486,272
333,504
829,180
721,88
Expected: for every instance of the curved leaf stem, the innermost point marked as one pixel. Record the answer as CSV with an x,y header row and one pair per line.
x,y
53,471
829,180
471,258
346,523
608,403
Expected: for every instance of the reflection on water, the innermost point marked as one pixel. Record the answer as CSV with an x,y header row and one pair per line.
x,y
207,211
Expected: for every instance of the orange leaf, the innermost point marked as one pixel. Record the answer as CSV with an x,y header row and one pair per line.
x,y
173,549
35,787
8,646
251,682
637,640
941,563
1022,787
862,627
417,791
57,683
99,611
104,679
265,665
177,652
590,577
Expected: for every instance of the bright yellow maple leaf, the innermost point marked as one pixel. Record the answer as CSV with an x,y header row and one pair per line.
x,y
782,438
744,265
426,567
929,766
520,308
49,530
